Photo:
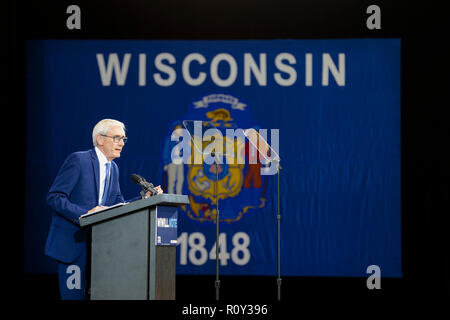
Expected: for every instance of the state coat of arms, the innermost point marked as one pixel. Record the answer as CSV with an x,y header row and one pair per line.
x,y
241,188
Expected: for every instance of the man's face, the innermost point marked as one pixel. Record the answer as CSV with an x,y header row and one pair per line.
x,y
111,149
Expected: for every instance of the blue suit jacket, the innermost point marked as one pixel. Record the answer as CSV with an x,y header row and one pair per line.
x,y
74,192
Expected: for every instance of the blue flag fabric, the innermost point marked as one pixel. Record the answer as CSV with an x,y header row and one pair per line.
x,y
335,104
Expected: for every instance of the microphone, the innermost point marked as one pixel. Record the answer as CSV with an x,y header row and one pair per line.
x,y
146,186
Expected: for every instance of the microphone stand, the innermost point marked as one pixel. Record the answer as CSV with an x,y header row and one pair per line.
x,y
147,189
143,193
279,231
214,154
217,282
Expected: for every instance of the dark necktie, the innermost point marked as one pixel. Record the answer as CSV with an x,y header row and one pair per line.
x,y
106,188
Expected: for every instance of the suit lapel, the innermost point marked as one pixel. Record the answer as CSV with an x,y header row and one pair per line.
x,y
96,168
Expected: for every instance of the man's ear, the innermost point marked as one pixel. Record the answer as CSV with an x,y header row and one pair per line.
x,y
99,139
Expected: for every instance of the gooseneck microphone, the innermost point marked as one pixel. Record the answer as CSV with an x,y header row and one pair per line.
x,y
146,186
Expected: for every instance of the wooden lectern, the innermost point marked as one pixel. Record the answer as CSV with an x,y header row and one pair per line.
x,y
133,249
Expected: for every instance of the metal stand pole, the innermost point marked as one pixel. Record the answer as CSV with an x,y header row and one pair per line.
x,y
217,282
279,235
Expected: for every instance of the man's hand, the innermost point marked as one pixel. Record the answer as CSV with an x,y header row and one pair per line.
x,y
158,188
97,208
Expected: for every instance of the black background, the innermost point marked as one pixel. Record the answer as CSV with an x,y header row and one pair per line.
x,y
423,30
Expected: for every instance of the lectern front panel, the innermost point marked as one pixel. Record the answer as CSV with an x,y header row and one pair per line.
x,y
120,258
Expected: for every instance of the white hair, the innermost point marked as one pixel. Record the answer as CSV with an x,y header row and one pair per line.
x,y
103,126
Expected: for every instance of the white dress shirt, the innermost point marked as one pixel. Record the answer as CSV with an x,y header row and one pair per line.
x,y
102,165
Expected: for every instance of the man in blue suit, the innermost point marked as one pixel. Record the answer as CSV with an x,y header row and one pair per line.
x,y
87,181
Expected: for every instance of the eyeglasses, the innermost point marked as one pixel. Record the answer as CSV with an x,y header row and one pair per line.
x,y
117,139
